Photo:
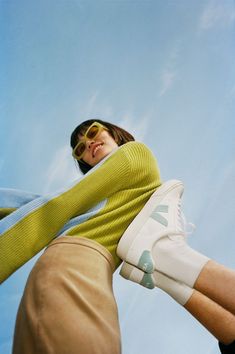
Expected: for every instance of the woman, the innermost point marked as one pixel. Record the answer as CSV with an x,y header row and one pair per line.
x,y
68,301
68,304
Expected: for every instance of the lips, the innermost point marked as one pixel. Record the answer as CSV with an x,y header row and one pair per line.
x,y
95,148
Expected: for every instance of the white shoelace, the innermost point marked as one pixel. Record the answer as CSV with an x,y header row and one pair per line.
x,y
187,227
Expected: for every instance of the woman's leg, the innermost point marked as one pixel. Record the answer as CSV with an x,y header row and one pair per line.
x,y
68,304
218,283
218,321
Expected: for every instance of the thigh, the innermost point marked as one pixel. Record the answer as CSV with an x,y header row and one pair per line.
x,y
68,305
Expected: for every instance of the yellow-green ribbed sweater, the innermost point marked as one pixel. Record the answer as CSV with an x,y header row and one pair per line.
x,y
99,206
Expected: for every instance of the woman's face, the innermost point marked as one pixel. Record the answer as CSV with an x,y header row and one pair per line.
x,y
98,148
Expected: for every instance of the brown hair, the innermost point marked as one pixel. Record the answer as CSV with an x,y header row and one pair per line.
x,y
120,135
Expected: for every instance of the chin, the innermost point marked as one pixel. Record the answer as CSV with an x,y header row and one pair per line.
x,y
103,155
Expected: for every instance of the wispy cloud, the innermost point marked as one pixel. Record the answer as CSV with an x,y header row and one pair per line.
x,y
61,171
168,78
94,107
137,127
169,72
91,103
217,13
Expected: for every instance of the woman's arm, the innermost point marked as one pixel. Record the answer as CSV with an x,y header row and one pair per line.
x,y
12,199
32,227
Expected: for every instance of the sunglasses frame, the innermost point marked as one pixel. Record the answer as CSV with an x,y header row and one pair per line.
x,y
85,138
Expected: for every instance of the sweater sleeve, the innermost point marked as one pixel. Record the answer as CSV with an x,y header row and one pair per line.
x,y
29,229
12,199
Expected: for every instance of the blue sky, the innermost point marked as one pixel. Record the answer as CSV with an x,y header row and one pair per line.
x,y
164,70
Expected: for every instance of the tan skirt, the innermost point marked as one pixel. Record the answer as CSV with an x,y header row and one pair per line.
x,y
68,305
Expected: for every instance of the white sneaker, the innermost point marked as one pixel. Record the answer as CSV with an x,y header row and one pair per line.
x,y
136,275
177,290
161,216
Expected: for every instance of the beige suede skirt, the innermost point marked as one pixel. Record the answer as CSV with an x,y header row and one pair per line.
x,y
68,305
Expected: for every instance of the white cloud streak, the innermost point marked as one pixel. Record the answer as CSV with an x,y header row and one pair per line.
x,y
61,171
93,107
91,103
138,128
168,78
170,73
217,13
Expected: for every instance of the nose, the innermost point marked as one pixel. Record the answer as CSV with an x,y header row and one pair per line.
x,y
89,144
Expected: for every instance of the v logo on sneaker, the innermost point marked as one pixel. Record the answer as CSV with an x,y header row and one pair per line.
x,y
161,208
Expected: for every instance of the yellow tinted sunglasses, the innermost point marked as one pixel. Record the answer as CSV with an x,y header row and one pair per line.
x,y
92,132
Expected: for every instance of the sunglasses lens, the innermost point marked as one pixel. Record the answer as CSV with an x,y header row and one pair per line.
x,y
92,132
80,149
